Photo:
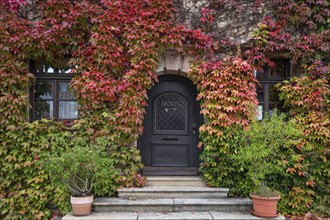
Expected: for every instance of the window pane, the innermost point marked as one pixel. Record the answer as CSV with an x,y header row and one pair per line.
x,y
280,70
43,90
38,67
64,91
64,70
48,69
68,109
171,113
260,74
278,106
273,94
43,109
260,93
260,112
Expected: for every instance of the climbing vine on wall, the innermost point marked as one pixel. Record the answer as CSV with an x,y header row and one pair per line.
x,y
113,48
309,102
228,103
298,30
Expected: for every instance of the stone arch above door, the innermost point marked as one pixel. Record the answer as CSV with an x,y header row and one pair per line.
x,y
172,62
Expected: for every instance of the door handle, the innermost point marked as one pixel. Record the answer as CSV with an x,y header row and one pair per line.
x,y
170,139
194,128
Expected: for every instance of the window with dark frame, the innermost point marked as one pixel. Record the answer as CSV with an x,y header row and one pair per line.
x,y
267,94
50,95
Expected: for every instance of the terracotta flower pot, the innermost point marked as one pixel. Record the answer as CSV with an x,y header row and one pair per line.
x,y
81,205
265,207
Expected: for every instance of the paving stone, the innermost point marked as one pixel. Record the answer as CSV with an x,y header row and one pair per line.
x,y
104,216
175,216
168,216
238,216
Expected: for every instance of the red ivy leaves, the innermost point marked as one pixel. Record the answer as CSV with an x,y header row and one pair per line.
x,y
305,94
116,63
227,91
95,87
207,15
13,5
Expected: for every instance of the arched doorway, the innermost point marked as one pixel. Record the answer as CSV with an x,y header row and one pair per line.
x,y
169,141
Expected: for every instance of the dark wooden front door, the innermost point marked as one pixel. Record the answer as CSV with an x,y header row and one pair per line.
x,y
169,142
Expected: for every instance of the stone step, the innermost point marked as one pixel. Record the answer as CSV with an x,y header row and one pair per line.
x,y
106,204
213,215
169,171
193,181
172,192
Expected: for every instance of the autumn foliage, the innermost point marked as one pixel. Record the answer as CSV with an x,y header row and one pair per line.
x,y
309,102
113,49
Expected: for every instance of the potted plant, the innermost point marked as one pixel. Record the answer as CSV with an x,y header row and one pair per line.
x,y
260,157
76,169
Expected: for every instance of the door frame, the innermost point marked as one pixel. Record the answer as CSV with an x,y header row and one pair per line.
x,y
190,170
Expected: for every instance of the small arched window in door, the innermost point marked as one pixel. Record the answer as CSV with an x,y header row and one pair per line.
x,y
170,113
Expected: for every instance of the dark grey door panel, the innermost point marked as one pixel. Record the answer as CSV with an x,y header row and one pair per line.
x,y
171,124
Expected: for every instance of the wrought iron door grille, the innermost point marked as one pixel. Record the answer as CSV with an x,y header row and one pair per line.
x,y
170,113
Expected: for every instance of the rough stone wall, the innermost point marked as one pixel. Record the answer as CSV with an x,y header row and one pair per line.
x,y
234,20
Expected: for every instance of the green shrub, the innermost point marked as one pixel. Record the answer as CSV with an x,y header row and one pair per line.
x,y
97,128
289,171
81,168
264,191
264,144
